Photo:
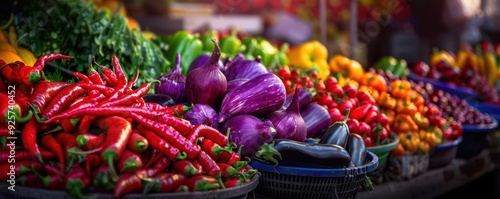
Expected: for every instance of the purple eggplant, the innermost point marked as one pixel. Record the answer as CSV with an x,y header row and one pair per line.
x,y
244,69
260,95
235,83
317,119
304,99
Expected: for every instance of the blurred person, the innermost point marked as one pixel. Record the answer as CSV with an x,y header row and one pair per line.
x,y
445,24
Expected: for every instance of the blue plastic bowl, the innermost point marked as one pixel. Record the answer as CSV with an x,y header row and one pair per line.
x,y
462,92
483,128
371,158
490,109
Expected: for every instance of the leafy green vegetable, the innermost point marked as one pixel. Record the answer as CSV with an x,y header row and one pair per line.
x,y
76,28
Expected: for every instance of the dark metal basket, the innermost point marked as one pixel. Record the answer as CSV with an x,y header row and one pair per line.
x,y
239,192
300,182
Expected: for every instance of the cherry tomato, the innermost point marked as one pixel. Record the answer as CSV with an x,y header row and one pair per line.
x,y
320,86
331,81
284,73
336,90
350,91
335,115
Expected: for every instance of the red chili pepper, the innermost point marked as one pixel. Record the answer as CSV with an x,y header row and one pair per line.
x,y
23,155
129,162
85,123
382,119
209,132
82,77
134,79
107,91
108,75
123,111
164,183
151,157
197,166
130,98
234,181
91,161
49,142
117,135
359,112
371,116
75,181
120,75
163,163
40,62
69,144
163,146
210,167
11,112
18,169
28,135
212,149
169,134
102,179
231,158
63,99
137,143
227,170
185,167
240,165
202,183
131,182
181,125
94,76
30,180
44,91
89,141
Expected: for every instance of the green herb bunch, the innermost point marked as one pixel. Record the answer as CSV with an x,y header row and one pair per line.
x,y
75,27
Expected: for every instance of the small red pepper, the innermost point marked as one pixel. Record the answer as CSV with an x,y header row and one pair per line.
x,y
164,183
49,142
169,134
202,183
117,135
23,155
82,77
210,167
102,179
131,182
214,150
43,93
11,112
29,136
129,162
360,112
137,143
88,141
227,170
205,131
62,100
185,167
163,163
18,169
76,181
163,146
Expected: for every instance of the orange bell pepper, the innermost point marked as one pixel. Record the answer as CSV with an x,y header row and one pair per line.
x,y
416,98
410,141
406,107
399,150
391,114
400,88
374,80
370,90
386,101
404,123
349,68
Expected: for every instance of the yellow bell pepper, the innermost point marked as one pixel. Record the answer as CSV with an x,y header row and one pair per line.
x,y
347,67
442,56
410,141
311,55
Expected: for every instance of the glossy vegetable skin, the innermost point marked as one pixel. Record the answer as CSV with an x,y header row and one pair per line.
x,y
337,133
302,154
357,149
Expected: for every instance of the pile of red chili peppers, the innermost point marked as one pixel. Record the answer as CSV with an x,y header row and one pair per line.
x,y
98,133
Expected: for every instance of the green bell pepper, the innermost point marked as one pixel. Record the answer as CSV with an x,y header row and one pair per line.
x,y
401,69
386,63
187,44
251,45
206,40
230,45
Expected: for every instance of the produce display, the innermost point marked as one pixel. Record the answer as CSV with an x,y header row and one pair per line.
x,y
476,70
100,134
187,112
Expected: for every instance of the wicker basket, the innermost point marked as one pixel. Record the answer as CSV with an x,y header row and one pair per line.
x,y
299,182
407,166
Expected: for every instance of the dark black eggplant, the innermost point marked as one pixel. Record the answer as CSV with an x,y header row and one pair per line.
x,y
303,154
161,99
337,133
357,149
